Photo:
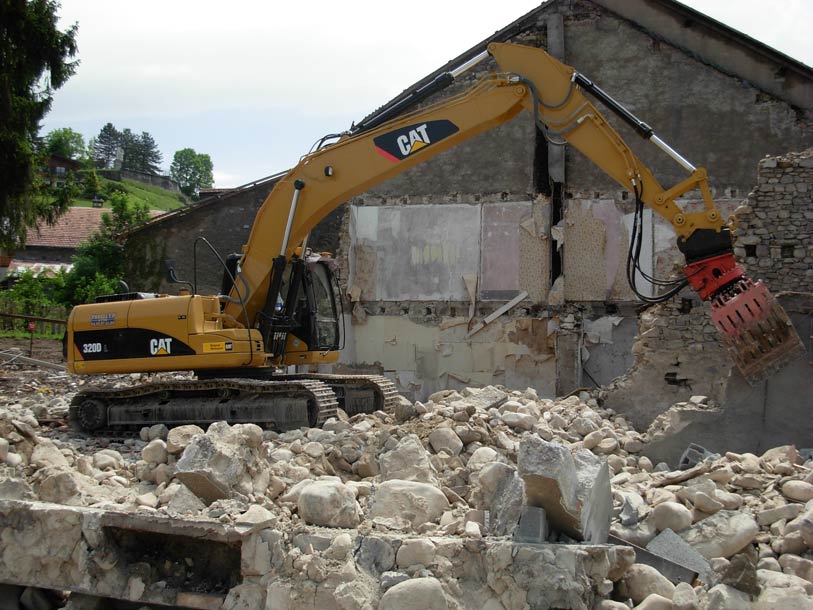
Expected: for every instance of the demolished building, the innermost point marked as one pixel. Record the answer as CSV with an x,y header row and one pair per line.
x,y
430,253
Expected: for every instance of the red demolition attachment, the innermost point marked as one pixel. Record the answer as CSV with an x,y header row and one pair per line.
x,y
754,328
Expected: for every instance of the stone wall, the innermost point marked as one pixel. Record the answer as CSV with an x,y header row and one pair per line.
x,y
775,233
678,353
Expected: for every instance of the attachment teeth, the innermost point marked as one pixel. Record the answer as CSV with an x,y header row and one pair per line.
x,y
755,329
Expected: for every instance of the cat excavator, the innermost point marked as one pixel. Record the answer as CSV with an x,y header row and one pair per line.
x,y
280,305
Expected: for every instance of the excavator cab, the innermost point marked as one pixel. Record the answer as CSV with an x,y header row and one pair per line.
x,y
305,325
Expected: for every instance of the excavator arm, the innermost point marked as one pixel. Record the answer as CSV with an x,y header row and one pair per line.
x,y
752,325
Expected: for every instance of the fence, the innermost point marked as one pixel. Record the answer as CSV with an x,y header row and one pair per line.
x,y
49,321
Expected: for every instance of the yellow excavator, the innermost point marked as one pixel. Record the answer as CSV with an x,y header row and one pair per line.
x,y
280,302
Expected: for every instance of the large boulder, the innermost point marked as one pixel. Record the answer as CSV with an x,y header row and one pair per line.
x,y
416,502
722,534
574,489
415,594
408,461
224,460
642,580
328,503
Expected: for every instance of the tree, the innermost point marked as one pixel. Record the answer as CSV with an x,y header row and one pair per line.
x,y
99,262
192,171
150,155
65,142
107,143
34,62
132,153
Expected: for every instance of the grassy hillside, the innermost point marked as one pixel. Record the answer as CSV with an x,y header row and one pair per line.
x,y
155,197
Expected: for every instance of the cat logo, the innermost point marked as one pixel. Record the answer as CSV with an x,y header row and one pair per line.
x,y
406,141
161,347
415,140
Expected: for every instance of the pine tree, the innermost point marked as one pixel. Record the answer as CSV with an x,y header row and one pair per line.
x,y
34,62
150,154
104,150
132,154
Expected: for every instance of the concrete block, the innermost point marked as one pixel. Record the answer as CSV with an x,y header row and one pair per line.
x,y
693,455
674,572
670,546
533,526
575,492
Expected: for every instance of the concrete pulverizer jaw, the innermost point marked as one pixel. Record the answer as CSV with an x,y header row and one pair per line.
x,y
754,328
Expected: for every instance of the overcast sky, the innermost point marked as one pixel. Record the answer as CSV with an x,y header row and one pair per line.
x,y
253,82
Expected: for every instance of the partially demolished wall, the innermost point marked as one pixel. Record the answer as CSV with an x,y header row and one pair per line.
x,y
678,354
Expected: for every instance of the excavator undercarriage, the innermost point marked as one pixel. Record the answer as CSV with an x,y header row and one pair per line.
x,y
277,402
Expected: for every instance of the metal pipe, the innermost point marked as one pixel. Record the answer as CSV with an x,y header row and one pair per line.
x,y
469,64
671,152
298,186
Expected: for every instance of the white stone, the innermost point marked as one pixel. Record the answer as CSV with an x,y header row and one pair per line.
x,y
107,459
655,602
724,597
155,452
14,459
684,597
46,453
408,461
445,439
252,434
313,449
416,502
642,580
593,439
481,457
671,515
706,503
339,547
519,421
415,594
798,490
147,499
416,551
778,580
328,503
722,534
3,449
178,438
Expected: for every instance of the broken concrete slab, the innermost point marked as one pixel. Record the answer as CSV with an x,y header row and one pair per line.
x,y
675,572
577,499
672,547
533,526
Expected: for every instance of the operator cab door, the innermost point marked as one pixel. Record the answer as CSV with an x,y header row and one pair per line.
x,y
314,310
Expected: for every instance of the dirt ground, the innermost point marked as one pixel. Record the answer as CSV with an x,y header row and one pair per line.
x,y
49,350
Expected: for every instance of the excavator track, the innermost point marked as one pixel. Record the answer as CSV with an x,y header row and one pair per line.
x,y
357,393
279,404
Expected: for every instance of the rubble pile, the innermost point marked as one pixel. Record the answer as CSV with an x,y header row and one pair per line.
x,y
434,506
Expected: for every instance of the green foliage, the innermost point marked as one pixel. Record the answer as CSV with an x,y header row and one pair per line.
x,y
97,266
105,146
65,142
123,215
139,152
192,171
34,62
92,185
